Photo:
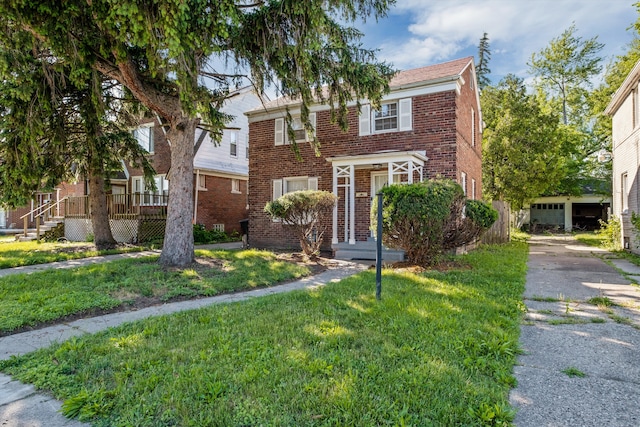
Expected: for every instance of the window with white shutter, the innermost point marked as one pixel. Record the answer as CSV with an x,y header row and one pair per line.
x,y
279,131
391,117
291,184
365,120
404,115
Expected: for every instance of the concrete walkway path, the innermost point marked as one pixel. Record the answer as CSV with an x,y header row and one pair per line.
x,y
22,406
562,331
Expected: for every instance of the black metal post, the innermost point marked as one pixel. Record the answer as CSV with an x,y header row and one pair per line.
x,y
379,249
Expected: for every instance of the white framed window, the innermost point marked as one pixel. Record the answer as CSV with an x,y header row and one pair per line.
x,y
392,116
624,192
233,144
636,106
473,127
235,186
473,189
463,182
202,182
386,118
145,196
281,136
291,184
144,135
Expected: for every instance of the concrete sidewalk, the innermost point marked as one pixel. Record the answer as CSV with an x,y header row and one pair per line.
x,y
563,332
22,406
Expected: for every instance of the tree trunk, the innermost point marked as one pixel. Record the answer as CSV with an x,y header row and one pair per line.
x,y
177,250
102,236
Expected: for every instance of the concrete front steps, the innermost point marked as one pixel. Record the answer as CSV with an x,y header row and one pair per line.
x,y
44,227
364,251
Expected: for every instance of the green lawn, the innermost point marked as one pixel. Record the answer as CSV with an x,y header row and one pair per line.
x,y
438,350
591,239
32,299
18,254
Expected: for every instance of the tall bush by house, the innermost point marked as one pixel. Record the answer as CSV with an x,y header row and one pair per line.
x,y
429,218
307,213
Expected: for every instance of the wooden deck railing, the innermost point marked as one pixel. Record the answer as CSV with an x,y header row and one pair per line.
x,y
122,206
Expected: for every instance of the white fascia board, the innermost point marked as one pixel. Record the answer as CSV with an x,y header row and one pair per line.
x,y
625,88
419,157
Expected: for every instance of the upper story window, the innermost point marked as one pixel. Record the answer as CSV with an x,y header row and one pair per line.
x,y
392,116
144,135
473,127
386,118
636,106
281,134
463,182
233,144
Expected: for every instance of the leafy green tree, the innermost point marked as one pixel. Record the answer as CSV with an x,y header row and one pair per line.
x,y
484,56
169,54
306,212
522,151
563,72
54,129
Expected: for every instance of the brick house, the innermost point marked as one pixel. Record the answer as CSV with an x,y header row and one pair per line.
x,y
220,177
429,125
624,109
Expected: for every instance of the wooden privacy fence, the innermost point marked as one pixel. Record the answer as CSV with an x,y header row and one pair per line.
x,y
500,231
133,218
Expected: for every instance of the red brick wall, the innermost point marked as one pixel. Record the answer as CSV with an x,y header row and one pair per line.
x,y
435,118
218,205
469,156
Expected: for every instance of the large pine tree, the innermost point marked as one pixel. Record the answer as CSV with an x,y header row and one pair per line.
x,y
174,56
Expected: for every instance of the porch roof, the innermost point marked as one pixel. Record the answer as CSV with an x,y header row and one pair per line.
x,y
371,159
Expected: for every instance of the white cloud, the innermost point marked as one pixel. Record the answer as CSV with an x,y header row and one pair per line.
x,y
441,30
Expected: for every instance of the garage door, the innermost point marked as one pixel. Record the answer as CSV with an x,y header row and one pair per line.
x,y
548,214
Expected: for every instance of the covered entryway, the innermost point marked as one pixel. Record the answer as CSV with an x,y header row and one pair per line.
x,y
356,180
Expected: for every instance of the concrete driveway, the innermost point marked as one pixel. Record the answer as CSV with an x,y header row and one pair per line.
x,y
581,361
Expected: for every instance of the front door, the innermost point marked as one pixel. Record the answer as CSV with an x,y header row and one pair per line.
x,y
379,179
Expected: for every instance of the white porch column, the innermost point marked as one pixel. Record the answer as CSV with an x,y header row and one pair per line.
x,y
334,230
410,177
352,204
568,215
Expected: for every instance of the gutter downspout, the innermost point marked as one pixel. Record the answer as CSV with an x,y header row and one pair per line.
x,y
195,201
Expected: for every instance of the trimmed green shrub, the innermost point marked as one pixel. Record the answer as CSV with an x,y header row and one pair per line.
x,y
304,211
427,219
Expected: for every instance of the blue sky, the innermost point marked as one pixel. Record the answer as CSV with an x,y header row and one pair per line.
x,y
424,32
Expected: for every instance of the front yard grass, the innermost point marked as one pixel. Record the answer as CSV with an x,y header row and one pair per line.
x,y
437,350
28,300
18,254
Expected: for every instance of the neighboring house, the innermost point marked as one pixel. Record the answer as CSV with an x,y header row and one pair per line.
x,y
220,180
428,126
624,109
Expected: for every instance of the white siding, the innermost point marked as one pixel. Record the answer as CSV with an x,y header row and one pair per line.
x,y
217,158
